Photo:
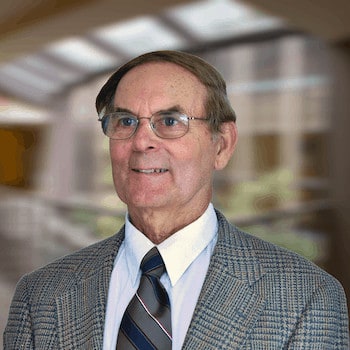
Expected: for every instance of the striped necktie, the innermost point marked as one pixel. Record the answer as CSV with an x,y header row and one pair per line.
x,y
146,323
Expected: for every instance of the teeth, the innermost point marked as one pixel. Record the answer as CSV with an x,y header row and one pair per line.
x,y
151,171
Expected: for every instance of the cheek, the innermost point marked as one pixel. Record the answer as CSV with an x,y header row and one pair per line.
x,y
196,163
119,165
119,153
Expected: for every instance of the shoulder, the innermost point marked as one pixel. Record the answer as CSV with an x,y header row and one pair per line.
x,y
65,272
308,302
289,283
272,261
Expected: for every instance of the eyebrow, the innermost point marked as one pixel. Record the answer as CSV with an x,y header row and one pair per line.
x,y
119,109
175,108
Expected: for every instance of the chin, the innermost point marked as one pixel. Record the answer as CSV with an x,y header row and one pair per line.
x,y
148,203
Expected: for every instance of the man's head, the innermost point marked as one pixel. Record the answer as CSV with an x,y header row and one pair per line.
x,y
166,182
217,106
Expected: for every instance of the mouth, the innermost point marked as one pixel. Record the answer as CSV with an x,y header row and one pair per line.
x,y
151,171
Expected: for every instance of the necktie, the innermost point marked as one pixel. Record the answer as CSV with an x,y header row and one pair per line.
x,y
146,323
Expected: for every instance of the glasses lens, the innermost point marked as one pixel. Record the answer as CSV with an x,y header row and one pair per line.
x,y
119,126
169,125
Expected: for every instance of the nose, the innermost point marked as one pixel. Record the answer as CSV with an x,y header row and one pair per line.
x,y
144,137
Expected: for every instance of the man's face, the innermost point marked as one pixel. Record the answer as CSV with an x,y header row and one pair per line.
x,y
151,173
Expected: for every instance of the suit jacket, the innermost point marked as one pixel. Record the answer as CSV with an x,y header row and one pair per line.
x,y
255,296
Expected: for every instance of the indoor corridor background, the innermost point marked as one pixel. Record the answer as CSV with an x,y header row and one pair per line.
x,y
287,68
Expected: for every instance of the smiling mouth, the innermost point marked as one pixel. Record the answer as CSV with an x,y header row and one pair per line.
x,y
151,171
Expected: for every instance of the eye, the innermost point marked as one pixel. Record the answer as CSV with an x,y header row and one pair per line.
x,y
169,120
126,121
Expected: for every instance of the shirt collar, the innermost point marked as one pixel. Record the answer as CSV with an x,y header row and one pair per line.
x,y
136,247
178,251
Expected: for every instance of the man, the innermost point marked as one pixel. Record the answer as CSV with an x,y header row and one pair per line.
x,y
170,127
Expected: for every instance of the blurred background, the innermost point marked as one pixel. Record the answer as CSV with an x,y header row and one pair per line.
x,y
287,67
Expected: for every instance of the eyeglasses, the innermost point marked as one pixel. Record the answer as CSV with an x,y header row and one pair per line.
x,y
166,125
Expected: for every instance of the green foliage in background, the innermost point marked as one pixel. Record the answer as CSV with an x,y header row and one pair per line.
x,y
101,226
308,244
270,190
108,225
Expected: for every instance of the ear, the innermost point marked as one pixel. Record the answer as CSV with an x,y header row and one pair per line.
x,y
226,144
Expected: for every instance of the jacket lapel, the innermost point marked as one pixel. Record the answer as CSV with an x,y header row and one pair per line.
x,y
81,310
228,306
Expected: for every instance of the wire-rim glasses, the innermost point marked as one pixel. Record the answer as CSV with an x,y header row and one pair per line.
x,y
166,125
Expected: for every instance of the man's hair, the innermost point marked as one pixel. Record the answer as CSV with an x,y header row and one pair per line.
x,y
217,106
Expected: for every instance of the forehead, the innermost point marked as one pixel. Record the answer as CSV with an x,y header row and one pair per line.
x,y
163,79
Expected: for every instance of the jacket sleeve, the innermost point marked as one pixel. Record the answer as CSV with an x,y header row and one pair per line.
x,y
18,331
324,321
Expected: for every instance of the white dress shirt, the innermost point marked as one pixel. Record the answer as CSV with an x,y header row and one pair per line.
x,y
186,255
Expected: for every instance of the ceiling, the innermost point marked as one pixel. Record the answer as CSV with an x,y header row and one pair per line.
x,y
327,19
48,46
47,54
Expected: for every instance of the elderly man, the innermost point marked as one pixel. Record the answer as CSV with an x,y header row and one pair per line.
x,y
177,275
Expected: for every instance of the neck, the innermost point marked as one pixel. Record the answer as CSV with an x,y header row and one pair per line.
x,y
157,225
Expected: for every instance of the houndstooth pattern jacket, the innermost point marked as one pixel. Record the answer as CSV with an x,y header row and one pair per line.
x,y
255,296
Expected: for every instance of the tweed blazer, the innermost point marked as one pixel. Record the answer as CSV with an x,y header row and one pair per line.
x,y
255,296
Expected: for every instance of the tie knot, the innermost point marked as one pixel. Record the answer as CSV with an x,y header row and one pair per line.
x,y
152,263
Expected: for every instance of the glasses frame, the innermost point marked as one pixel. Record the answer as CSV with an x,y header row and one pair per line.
x,y
103,118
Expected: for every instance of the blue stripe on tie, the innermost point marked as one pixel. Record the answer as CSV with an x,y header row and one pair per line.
x,y
134,334
153,263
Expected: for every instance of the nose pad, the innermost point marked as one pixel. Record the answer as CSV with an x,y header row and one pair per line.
x,y
153,127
